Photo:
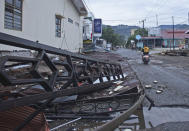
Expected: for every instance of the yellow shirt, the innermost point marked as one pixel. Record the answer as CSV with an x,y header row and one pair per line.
x,y
146,49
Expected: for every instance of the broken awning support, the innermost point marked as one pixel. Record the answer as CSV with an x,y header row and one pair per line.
x,y
110,126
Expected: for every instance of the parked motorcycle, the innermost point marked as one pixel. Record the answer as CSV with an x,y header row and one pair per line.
x,y
146,59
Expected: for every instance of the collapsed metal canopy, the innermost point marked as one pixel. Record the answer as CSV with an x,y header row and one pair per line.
x,y
70,74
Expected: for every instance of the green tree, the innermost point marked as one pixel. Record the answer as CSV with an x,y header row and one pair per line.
x,y
111,37
107,34
142,32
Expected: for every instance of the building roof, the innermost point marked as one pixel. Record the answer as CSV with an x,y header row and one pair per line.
x,y
151,37
80,6
178,34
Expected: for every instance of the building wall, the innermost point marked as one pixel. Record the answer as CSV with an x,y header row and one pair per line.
x,y
153,43
39,23
133,31
155,31
169,42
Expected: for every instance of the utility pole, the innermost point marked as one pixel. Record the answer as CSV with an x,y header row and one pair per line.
x,y
173,33
188,17
142,22
157,20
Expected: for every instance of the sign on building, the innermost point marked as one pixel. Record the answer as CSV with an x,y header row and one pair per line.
x,y
97,27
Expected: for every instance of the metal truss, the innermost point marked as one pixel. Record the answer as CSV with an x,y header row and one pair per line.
x,y
68,74
70,69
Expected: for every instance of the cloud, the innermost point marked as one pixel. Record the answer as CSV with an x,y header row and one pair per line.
x,y
130,12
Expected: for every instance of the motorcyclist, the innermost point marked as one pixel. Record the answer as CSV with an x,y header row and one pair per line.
x,y
145,50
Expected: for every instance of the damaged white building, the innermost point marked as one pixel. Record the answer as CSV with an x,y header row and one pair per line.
x,y
58,23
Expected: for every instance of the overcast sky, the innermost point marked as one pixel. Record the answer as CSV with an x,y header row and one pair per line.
x,y
130,12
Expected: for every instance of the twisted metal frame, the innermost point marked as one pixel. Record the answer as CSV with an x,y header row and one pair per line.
x,y
78,69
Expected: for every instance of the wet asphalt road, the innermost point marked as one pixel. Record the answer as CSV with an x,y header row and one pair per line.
x,y
166,72
172,72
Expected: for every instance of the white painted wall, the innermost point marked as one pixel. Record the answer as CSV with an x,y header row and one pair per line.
x,y
39,23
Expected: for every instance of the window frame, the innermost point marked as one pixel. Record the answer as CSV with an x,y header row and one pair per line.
x,y
9,23
59,24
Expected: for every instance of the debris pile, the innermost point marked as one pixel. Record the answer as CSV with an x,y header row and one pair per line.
x,y
68,86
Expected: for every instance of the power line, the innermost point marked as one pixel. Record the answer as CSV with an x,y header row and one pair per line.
x,y
165,19
87,6
182,22
157,7
88,1
150,10
159,18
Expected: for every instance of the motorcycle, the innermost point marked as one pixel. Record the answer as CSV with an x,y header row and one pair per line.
x,y
146,59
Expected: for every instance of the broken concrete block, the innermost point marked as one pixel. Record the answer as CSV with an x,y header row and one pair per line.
x,y
159,91
155,82
148,86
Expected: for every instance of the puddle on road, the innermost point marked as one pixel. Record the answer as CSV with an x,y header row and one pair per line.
x,y
139,61
156,61
154,117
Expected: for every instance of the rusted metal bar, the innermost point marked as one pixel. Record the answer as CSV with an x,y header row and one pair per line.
x,y
78,67
28,100
23,43
31,116
74,116
100,99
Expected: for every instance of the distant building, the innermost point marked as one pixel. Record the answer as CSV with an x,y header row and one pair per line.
x,y
133,31
154,31
57,23
179,37
109,46
152,41
101,43
165,39
88,28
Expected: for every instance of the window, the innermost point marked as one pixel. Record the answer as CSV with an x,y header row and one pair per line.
x,y
70,20
58,26
13,14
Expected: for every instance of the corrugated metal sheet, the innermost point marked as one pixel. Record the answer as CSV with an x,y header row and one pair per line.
x,y
9,120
